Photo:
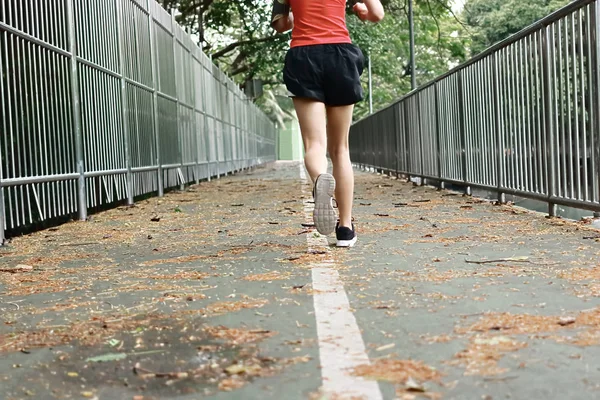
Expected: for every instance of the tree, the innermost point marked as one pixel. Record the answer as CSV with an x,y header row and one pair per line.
x,y
440,43
238,36
492,21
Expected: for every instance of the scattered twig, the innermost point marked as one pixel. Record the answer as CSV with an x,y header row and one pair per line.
x,y
510,259
12,304
498,260
499,379
145,373
8,344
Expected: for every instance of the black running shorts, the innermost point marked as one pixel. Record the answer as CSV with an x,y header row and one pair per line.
x,y
329,73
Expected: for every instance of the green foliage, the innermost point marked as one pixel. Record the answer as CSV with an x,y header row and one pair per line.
x,y
492,21
238,36
440,43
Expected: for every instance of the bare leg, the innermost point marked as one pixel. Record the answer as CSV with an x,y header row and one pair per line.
x,y
311,116
339,120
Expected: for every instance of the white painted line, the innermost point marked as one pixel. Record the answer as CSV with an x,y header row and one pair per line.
x,y
341,347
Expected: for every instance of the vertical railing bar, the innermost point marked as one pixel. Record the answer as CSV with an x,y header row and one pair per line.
x,y
454,129
540,95
569,130
67,122
5,129
461,117
498,128
27,115
576,164
492,131
549,131
584,106
57,159
508,136
526,65
437,134
46,127
19,123
520,115
417,98
155,85
531,108
471,141
594,32
510,115
515,118
560,139
408,138
124,99
479,123
177,63
207,145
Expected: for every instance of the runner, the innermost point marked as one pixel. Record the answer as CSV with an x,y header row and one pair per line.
x,y
322,71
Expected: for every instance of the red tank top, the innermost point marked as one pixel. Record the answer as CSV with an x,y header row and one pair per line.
x,y
319,22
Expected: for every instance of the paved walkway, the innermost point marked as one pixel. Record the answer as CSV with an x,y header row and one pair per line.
x,y
221,291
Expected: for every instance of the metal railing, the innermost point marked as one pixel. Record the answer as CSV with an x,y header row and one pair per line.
x,y
103,101
522,118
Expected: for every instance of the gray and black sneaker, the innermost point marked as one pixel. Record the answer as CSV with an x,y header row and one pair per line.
x,y
324,215
345,236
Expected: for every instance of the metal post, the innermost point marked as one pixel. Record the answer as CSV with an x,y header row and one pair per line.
x,y
411,25
80,167
461,116
153,55
124,101
370,85
498,130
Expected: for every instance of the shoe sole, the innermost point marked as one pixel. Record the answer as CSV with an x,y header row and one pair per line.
x,y
346,243
324,214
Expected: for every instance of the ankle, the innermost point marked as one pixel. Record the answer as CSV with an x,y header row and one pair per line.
x,y
346,223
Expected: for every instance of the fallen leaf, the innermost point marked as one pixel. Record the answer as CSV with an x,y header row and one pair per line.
x,y
564,321
17,268
239,369
413,386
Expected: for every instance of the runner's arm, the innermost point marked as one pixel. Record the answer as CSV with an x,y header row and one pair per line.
x,y
369,10
282,19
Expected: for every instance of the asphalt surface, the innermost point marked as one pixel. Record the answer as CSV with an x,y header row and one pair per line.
x,y
208,293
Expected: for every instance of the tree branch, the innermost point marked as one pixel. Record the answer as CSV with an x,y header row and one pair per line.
x,y
235,45
449,9
439,31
